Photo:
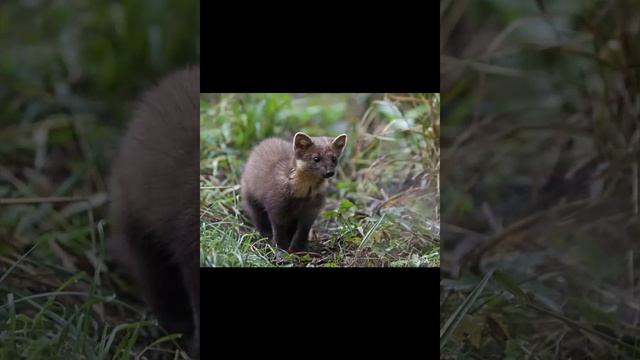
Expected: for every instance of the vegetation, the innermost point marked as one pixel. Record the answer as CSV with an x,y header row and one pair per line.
x,y
540,166
383,208
70,72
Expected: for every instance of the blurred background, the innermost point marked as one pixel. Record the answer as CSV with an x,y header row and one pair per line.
x,y
540,143
70,74
382,207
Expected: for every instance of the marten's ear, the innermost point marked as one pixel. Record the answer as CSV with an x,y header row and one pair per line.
x,y
301,141
339,142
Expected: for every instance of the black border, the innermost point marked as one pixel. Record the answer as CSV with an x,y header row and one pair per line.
x,y
273,310
320,47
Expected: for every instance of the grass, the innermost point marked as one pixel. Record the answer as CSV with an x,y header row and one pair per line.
x,y
65,304
383,208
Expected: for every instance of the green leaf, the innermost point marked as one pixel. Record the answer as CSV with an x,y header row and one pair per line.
x,y
346,204
329,214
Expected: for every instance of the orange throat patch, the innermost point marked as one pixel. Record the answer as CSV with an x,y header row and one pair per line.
x,y
303,185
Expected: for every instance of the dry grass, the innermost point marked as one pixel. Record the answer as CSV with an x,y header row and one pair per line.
x,y
540,150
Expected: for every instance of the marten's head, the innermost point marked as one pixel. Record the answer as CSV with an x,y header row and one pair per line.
x,y
318,156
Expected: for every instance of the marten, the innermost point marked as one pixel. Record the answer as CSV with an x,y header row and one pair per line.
x,y
282,185
154,210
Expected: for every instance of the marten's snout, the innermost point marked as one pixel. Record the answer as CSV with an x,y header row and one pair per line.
x,y
328,174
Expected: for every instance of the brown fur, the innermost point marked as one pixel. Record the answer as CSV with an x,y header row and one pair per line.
x,y
154,211
282,186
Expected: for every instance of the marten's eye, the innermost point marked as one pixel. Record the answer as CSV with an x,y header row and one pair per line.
x,y
316,158
334,158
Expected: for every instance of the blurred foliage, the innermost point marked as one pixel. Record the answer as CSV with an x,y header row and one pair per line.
x,y
78,56
540,148
240,122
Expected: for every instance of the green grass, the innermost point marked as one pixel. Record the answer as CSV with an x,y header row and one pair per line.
x,y
72,310
383,208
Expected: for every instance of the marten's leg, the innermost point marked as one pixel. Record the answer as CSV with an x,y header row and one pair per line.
x,y
281,225
301,236
305,219
258,215
161,282
191,275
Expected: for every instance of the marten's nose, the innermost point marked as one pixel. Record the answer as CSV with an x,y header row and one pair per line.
x,y
328,174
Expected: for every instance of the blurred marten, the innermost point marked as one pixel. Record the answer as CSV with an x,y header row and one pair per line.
x,y
282,186
154,212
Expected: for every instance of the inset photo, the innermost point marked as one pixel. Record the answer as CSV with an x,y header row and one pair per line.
x,y
319,180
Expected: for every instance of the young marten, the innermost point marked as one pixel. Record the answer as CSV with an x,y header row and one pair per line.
x,y
282,186
154,212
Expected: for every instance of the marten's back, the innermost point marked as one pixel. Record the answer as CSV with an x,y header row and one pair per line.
x,y
267,167
154,179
